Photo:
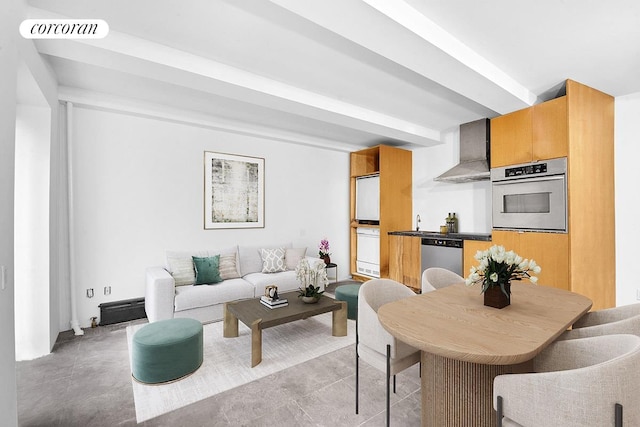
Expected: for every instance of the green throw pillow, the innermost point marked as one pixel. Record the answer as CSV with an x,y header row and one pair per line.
x,y
207,269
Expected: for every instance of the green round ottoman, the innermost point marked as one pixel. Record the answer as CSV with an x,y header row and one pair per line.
x,y
166,350
349,293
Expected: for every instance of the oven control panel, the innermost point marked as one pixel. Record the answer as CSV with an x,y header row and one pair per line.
x,y
526,170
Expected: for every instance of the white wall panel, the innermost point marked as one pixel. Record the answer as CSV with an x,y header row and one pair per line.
x,y
627,153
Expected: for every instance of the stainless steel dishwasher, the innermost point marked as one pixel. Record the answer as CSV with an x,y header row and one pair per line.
x,y
443,253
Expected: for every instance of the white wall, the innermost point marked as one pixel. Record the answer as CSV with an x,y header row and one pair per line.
x,y
627,153
434,200
36,231
138,191
32,293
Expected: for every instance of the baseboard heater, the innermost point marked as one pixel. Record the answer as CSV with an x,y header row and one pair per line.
x,y
121,311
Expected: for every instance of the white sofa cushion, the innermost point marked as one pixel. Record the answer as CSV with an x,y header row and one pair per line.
x,y
188,297
285,281
292,257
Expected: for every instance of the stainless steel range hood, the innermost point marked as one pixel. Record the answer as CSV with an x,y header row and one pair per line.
x,y
474,154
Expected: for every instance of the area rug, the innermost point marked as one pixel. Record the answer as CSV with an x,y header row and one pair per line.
x,y
227,361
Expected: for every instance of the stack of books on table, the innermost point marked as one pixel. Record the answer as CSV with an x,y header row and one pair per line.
x,y
273,303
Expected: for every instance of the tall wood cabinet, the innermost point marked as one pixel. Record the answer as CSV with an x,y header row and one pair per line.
x,y
396,197
580,127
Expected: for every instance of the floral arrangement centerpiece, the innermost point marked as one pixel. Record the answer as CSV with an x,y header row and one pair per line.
x,y
498,268
323,251
312,280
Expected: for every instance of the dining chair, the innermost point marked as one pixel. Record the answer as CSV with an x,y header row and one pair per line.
x,y
617,320
374,344
591,381
435,278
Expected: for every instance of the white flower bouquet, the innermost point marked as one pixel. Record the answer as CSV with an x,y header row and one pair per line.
x,y
498,267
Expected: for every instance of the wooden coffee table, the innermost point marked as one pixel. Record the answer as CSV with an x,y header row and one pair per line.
x,y
258,317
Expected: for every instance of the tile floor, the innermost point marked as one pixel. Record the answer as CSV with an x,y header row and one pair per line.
x,y
86,381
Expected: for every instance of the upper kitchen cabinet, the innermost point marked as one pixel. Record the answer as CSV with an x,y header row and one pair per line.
x,y
531,134
394,166
511,138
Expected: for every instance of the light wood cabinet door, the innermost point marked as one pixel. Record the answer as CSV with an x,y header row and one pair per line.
x,y
469,250
549,250
550,138
509,239
551,253
405,261
532,134
511,138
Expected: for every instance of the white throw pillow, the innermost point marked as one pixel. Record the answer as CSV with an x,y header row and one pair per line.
x,y
228,266
273,260
292,257
181,268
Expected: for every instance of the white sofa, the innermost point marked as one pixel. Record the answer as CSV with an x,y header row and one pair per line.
x,y
164,299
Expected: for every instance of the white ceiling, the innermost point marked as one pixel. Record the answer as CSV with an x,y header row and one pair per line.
x,y
341,73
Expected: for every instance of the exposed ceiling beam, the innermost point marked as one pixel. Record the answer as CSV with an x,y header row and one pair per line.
x,y
140,57
427,49
108,102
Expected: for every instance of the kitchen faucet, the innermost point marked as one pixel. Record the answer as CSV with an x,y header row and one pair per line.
x,y
418,222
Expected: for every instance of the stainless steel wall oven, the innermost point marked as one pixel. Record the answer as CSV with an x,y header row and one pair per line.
x,y
530,196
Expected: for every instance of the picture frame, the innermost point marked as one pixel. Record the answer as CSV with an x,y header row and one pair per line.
x,y
233,191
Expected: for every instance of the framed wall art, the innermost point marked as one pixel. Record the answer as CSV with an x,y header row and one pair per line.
x,y
233,191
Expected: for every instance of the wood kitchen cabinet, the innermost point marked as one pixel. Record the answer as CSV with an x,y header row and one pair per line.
x,y
405,261
530,134
395,167
549,250
469,250
580,126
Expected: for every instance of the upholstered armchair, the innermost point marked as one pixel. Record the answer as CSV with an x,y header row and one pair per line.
x,y
374,344
435,278
618,320
580,382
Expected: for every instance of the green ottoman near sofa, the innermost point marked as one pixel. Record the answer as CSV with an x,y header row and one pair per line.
x,y
166,350
349,293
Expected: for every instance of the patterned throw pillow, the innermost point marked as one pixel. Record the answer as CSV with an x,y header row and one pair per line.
x,y
228,266
207,270
273,260
182,270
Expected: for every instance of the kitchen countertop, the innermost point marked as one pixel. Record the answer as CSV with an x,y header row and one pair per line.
x,y
436,235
